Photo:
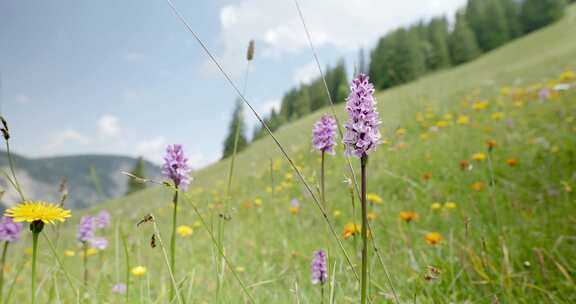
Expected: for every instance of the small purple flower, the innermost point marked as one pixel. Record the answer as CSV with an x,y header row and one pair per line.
x,y
102,219
295,203
9,231
544,94
318,268
176,167
86,228
119,288
324,134
99,243
362,133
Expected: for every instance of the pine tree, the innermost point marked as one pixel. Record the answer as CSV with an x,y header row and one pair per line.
x,y
536,14
236,125
512,12
301,104
438,37
288,103
338,82
382,71
463,44
138,171
408,60
495,30
475,18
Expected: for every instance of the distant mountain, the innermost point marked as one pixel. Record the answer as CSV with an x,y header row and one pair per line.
x,y
90,178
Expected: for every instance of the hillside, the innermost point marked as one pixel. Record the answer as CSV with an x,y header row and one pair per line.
x,y
41,177
511,242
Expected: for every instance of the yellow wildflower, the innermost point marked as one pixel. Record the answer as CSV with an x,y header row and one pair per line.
x,y
351,229
30,211
374,198
479,156
480,105
463,120
184,230
450,205
408,216
69,253
436,206
433,238
139,271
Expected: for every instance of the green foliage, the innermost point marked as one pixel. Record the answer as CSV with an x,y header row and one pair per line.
x,y
237,128
463,45
307,98
538,13
438,37
138,171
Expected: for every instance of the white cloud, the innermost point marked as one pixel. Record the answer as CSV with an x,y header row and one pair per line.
x,y
23,99
108,126
268,105
342,24
152,149
306,73
66,137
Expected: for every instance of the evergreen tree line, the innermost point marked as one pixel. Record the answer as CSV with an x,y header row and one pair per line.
x,y
407,53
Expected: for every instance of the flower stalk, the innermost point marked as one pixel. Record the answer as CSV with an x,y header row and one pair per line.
x,y
2,265
36,227
173,240
364,289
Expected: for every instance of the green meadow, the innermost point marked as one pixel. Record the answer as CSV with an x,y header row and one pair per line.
x,y
504,216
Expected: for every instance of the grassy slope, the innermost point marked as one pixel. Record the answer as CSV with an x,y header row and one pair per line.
x,y
527,210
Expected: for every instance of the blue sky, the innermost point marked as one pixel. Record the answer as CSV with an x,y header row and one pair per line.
x,y
124,77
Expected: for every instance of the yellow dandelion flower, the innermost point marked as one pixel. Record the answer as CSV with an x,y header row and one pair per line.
x,y
442,124
479,156
568,75
450,205
351,229
139,271
433,238
408,216
374,198
436,206
184,230
31,211
69,253
463,120
268,189
480,105
258,202
89,252
294,210
497,116
337,213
